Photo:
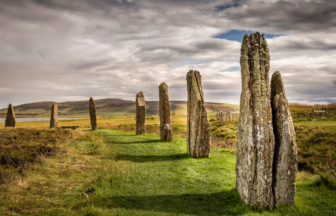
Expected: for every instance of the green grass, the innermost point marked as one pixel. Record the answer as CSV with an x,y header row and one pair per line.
x,y
111,172
163,180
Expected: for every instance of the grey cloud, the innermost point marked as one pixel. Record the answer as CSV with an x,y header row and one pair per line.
x,y
72,49
90,63
302,43
286,15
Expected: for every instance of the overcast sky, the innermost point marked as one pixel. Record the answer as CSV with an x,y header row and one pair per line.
x,y
67,50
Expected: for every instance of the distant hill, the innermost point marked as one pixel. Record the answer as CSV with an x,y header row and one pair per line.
x,y
109,107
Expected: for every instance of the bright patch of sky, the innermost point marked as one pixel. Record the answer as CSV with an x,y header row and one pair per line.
x,y
238,35
222,7
231,69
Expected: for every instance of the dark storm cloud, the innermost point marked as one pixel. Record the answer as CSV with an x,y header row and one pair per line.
x,y
286,15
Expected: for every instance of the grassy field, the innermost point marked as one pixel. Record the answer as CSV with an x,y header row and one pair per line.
x,y
114,172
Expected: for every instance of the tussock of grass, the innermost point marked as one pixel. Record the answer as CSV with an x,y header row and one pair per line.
x,y
54,183
22,148
327,175
316,145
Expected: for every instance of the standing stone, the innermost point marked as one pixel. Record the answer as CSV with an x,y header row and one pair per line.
x,y
166,131
93,114
221,116
10,118
198,129
140,110
285,153
255,147
54,115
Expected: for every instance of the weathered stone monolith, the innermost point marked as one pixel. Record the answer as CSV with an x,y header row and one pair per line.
x,y
198,130
140,116
221,116
285,153
93,114
54,115
255,147
229,115
166,131
10,118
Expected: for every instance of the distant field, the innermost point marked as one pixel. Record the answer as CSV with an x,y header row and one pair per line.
x,y
109,108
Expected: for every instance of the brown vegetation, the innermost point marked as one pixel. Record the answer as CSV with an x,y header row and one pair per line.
x,y
22,148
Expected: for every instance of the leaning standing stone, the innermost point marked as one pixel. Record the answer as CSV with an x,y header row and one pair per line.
x,y
255,147
198,130
164,110
285,154
10,118
54,116
93,114
140,110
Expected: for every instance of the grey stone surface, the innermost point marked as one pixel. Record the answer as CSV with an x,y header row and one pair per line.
x,y
229,115
54,115
93,114
285,153
198,130
166,131
10,118
255,147
140,115
221,115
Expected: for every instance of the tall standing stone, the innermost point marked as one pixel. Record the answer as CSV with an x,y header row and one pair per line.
x,y
221,116
54,115
229,114
166,131
255,147
198,130
10,118
285,153
140,113
93,114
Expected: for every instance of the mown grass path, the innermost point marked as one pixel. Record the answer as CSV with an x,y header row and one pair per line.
x,y
163,180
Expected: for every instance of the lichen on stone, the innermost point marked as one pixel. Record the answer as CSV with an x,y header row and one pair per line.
x,y
255,146
140,116
198,129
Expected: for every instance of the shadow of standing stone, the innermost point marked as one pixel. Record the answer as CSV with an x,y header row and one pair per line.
x,y
10,118
198,130
93,115
166,131
255,147
285,154
54,115
140,113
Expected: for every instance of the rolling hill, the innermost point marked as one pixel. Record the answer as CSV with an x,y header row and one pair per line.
x,y
108,107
